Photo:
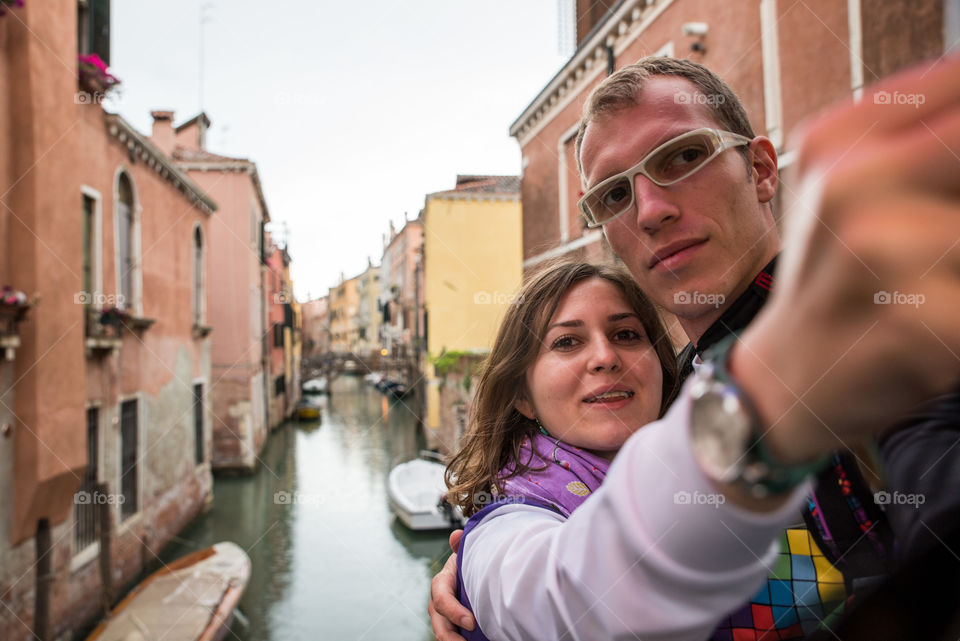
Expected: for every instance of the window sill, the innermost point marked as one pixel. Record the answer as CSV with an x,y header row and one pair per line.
x,y
102,345
201,331
84,556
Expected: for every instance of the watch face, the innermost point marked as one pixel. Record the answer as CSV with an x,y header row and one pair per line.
x,y
720,430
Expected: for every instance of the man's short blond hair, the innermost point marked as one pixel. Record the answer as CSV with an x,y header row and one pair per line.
x,y
622,89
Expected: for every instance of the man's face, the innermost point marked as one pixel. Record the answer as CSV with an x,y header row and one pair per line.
x,y
695,244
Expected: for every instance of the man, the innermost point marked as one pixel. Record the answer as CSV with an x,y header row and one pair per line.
x,y
823,360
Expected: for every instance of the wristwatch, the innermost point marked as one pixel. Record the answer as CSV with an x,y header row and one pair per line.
x,y
727,435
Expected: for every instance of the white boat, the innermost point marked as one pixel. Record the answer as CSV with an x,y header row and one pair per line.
x,y
315,386
416,490
192,599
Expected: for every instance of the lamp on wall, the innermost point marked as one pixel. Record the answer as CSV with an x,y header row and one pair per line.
x,y
699,31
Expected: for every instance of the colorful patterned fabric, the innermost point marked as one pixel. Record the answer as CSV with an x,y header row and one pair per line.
x,y
561,475
802,591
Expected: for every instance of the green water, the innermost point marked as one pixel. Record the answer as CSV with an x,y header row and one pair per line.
x,y
330,561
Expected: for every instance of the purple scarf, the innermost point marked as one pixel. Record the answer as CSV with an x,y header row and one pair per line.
x,y
570,475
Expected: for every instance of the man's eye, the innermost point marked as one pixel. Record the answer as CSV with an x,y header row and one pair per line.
x,y
616,195
684,158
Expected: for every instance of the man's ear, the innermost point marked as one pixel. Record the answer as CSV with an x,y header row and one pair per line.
x,y
523,406
766,176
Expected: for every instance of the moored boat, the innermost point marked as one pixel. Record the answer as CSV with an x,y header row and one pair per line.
x,y
192,599
315,386
307,410
417,491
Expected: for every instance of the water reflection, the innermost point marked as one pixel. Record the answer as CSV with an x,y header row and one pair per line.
x,y
329,559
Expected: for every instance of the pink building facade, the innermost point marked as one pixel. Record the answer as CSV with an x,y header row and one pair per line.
x,y
401,289
238,304
279,337
316,328
104,380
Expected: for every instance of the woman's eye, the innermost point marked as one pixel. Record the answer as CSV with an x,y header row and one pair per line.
x,y
628,335
564,343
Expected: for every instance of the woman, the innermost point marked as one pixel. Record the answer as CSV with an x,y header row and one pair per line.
x,y
605,367
581,362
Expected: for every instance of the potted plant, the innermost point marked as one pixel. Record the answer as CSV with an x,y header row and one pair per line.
x,y
114,317
4,4
93,74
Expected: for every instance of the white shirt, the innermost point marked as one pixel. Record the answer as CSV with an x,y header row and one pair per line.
x,y
656,553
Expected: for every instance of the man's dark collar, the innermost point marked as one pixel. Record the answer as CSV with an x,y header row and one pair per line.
x,y
736,317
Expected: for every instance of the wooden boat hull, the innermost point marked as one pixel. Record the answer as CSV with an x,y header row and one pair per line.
x,y
192,599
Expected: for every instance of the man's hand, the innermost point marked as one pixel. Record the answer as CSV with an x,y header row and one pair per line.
x,y
862,323
446,612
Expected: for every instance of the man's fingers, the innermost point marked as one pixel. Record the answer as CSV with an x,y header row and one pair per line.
x,y
455,537
443,597
443,630
923,92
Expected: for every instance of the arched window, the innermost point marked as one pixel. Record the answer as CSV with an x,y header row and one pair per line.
x,y
199,294
126,261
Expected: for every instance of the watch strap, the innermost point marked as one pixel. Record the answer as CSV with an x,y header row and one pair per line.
x,y
762,473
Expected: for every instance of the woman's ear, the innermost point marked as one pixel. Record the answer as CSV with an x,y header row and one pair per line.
x,y
523,406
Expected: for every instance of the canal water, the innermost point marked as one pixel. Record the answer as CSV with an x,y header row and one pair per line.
x,y
330,561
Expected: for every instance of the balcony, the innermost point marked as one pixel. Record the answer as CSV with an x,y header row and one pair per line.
x,y
104,329
11,313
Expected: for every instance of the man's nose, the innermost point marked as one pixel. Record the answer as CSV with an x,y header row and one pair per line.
x,y
652,203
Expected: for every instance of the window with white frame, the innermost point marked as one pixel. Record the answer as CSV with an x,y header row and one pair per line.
x,y
127,237
199,272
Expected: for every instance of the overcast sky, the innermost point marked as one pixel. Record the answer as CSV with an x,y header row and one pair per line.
x,y
353,111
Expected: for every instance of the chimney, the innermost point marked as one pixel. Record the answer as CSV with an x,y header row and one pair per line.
x,y
162,135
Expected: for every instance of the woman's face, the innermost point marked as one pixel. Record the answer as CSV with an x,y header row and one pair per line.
x,y
597,378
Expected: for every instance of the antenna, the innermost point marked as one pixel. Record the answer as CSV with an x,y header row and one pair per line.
x,y
206,15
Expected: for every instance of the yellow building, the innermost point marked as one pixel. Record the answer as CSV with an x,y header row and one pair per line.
x,y
368,312
343,315
473,268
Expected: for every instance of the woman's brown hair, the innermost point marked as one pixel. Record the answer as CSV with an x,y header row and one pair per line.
x,y
496,429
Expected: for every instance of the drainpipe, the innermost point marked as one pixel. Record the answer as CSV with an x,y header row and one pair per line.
x,y
41,612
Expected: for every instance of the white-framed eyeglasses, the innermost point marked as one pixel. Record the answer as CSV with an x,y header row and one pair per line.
x,y
671,162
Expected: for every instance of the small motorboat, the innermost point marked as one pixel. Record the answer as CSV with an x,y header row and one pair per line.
x,y
417,495
307,410
192,599
315,386
395,389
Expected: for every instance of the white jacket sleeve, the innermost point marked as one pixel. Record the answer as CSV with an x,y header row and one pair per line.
x,y
655,553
